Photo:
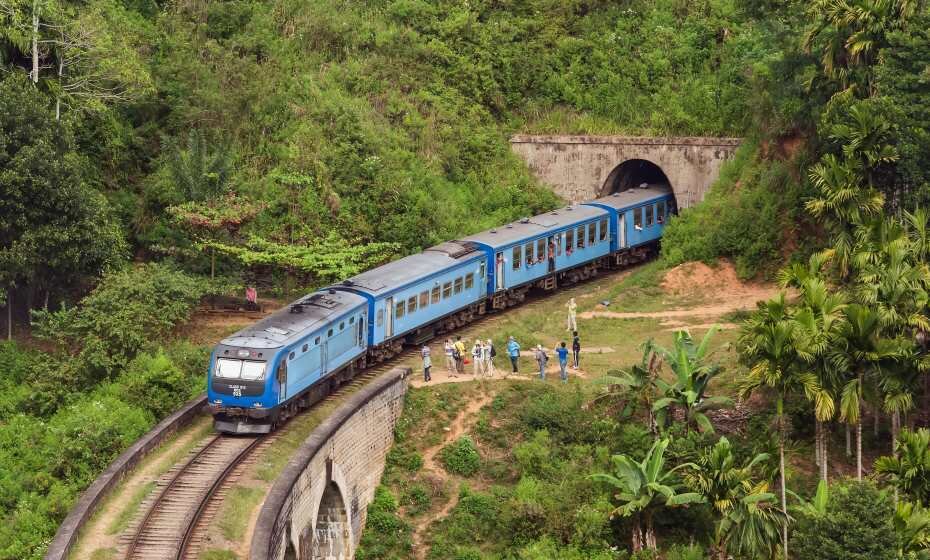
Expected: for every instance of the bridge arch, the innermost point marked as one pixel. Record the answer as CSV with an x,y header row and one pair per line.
x,y
632,173
332,539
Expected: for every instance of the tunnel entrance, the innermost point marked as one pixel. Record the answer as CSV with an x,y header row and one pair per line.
x,y
331,537
633,173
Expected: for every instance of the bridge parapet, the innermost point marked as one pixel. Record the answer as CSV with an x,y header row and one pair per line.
x,y
581,167
318,505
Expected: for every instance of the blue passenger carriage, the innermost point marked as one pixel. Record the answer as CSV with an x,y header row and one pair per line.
x,y
414,298
637,219
264,373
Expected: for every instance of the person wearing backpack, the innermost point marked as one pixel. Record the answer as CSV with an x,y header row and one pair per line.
x,y
513,350
489,354
541,359
458,354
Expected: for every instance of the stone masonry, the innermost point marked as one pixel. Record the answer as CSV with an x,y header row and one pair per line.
x,y
583,167
317,507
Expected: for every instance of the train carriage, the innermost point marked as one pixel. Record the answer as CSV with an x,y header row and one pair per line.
x,y
637,216
264,373
413,298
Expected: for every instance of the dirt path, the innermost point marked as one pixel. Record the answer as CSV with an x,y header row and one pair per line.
x,y
465,420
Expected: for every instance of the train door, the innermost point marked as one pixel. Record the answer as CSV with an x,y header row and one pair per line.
x,y
324,356
360,335
389,312
621,227
282,380
499,267
550,253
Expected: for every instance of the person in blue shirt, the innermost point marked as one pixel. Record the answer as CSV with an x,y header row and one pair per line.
x,y
562,352
513,350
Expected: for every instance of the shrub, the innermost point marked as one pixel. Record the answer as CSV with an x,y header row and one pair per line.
x,y
857,526
533,456
417,498
461,457
682,552
154,383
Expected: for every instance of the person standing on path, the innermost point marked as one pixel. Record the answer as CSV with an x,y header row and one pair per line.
x,y
488,354
450,361
427,363
562,352
572,323
458,352
541,359
477,359
576,349
513,350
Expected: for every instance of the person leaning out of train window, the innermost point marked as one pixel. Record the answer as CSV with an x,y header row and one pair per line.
x,y
513,350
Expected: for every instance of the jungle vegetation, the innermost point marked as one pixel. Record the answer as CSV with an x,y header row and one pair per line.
x,y
155,152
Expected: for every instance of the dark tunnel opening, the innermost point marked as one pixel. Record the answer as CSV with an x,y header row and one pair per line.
x,y
633,173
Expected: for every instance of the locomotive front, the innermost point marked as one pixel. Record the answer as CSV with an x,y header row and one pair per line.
x,y
237,389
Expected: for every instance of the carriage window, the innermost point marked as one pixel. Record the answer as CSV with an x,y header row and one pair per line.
x,y
290,356
469,280
424,299
541,249
316,340
638,219
649,215
569,240
434,295
399,309
412,304
351,320
481,270
342,326
528,248
661,210
517,256
558,245
592,233
329,333
603,231
580,237
458,285
379,320
304,349
447,290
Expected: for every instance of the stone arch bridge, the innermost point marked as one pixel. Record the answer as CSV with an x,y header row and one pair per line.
x,y
585,167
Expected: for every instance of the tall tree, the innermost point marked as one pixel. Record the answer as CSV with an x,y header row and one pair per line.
x,y
908,469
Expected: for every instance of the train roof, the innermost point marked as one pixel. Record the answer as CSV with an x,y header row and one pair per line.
x,y
287,325
404,271
516,232
632,197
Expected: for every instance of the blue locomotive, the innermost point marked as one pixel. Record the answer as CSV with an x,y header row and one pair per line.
x,y
268,371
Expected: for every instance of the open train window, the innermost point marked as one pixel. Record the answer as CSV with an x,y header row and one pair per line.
x,y
569,240
517,257
528,249
399,309
580,237
661,210
424,299
558,245
592,233
649,219
541,249
638,219
458,285
447,290
469,280
412,304
434,295
603,229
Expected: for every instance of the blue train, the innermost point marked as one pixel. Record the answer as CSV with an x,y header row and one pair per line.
x,y
267,372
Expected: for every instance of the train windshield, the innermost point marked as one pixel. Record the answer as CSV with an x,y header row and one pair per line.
x,y
239,369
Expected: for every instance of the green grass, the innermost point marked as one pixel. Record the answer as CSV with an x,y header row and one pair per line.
x,y
122,520
237,509
218,554
103,554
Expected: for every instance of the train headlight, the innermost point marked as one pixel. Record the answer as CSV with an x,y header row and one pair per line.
x,y
243,353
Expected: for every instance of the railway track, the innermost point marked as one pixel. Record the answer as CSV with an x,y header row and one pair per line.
x,y
176,518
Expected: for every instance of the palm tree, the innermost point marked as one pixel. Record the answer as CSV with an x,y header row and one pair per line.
x,y
693,375
640,380
867,350
778,365
908,469
748,518
644,487
912,527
